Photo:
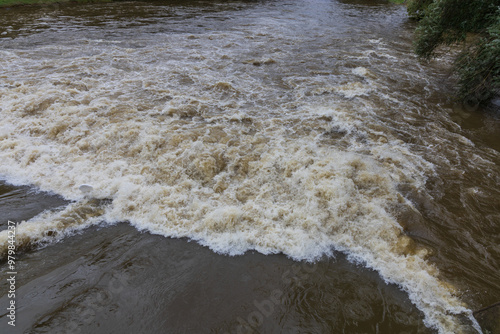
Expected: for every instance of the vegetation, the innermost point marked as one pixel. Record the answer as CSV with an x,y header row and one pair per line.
x,y
475,22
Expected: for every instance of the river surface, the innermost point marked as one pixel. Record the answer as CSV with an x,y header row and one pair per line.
x,y
253,167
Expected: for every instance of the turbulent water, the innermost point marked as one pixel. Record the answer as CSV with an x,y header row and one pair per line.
x,y
294,127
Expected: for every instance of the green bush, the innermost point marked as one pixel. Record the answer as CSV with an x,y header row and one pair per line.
x,y
416,8
446,22
479,66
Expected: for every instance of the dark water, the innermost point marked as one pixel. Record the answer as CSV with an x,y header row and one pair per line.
x,y
266,167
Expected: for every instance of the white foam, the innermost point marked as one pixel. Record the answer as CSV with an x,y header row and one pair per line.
x,y
52,226
361,71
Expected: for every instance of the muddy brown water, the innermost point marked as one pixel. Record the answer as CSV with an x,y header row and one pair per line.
x,y
267,167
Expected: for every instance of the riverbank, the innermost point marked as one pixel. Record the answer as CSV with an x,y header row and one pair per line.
x,y
11,3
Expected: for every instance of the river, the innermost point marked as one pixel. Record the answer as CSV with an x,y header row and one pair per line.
x,y
276,166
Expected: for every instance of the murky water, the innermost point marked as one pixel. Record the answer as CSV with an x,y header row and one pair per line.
x,y
303,134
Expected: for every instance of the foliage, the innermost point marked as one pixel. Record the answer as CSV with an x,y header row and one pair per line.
x,y
448,21
479,66
416,8
445,22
